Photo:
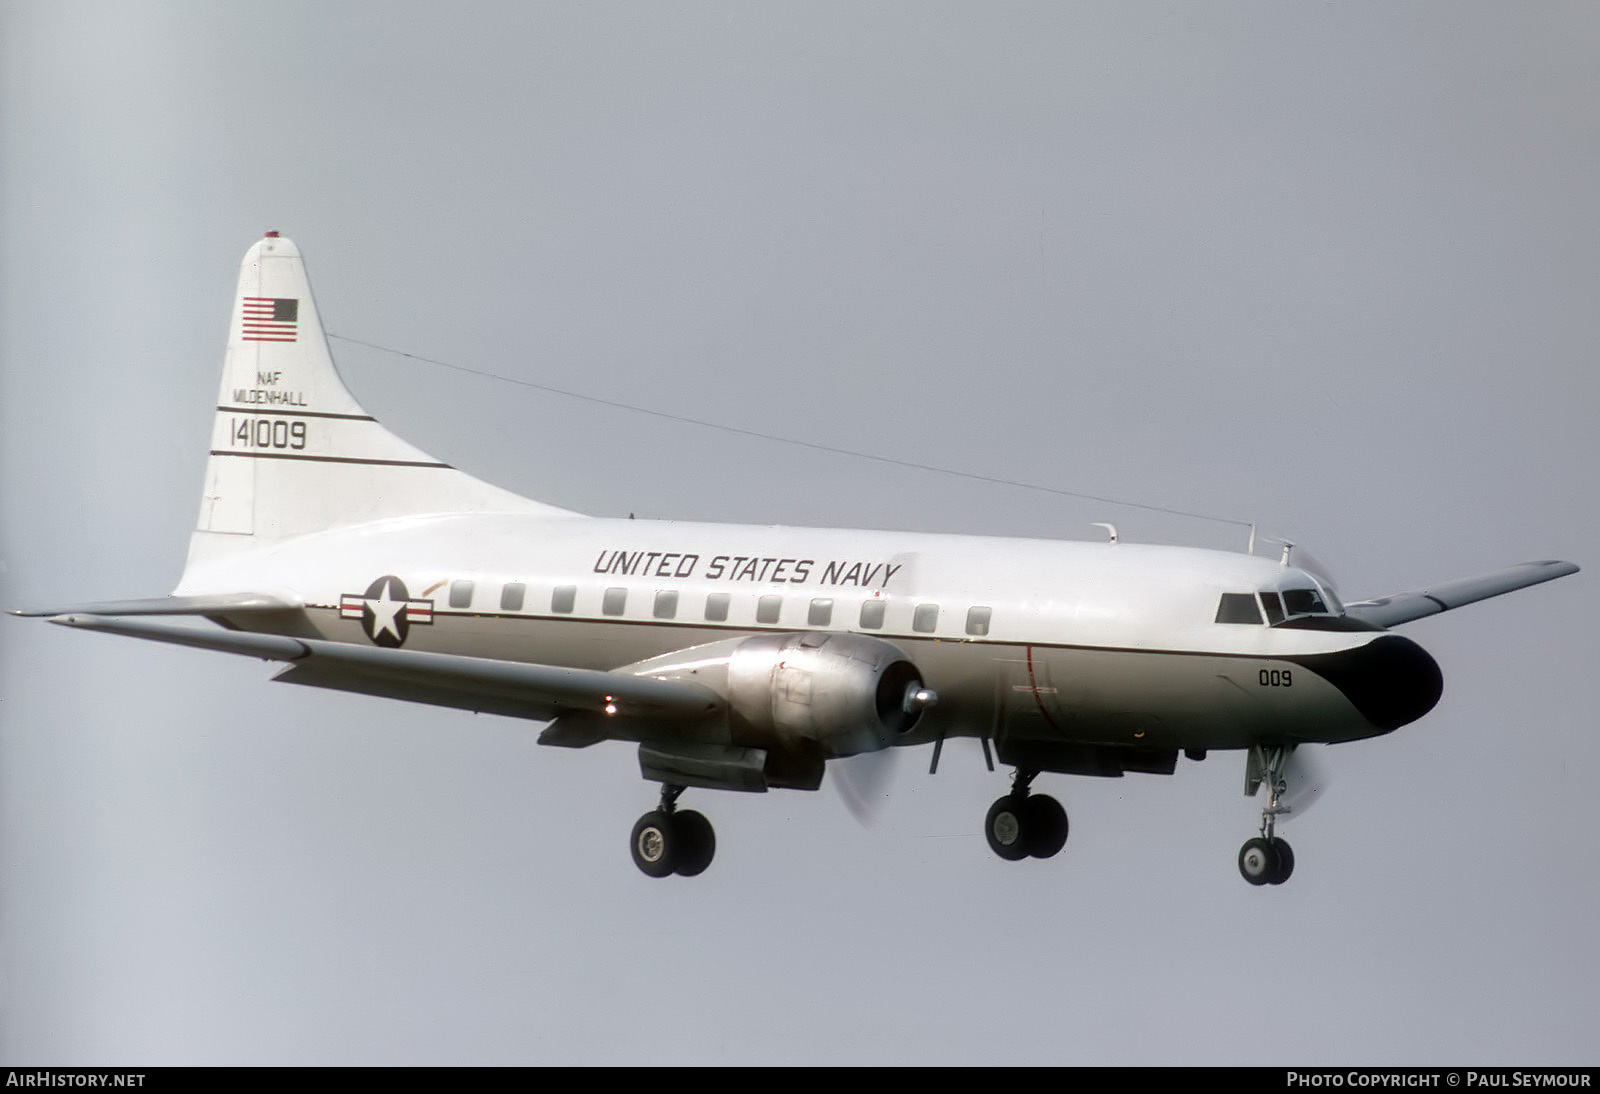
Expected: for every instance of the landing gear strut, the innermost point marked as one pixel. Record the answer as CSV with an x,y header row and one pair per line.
x,y
1022,824
1267,859
668,841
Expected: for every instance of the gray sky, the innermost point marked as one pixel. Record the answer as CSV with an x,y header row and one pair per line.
x,y
1332,268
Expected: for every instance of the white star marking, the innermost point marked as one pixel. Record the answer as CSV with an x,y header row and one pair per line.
x,y
385,609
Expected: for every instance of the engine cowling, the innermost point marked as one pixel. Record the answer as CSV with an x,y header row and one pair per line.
x,y
848,693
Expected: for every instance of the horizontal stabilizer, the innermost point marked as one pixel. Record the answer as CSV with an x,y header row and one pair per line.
x,y
443,679
221,604
1389,611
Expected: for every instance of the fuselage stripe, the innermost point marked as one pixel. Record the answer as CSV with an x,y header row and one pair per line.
x,y
888,636
328,459
297,413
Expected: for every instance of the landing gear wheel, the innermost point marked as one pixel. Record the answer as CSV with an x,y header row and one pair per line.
x,y
1258,861
654,844
1044,825
1006,827
1285,862
696,843
1267,860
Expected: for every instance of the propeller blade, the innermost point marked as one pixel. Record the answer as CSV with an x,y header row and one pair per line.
x,y
863,782
1305,778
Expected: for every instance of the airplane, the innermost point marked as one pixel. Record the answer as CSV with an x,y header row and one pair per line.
x,y
742,657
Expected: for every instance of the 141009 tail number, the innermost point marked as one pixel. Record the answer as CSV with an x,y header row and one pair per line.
x,y
268,433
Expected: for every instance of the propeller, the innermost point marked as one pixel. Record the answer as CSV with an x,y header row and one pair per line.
x,y
863,782
863,779
1305,778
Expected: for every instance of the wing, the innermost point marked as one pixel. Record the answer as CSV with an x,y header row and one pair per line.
x,y
540,692
217,604
1388,611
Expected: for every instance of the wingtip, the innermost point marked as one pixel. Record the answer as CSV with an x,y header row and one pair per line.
x,y
1560,567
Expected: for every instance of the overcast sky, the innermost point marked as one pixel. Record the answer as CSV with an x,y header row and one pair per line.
x,y
1332,268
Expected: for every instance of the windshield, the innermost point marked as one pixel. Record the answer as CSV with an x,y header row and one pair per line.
x,y
1276,607
1304,602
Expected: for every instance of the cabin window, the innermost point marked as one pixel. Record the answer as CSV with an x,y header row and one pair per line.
x,y
511,596
666,604
615,601
1238,608
767,609
872,615
821,613
717,608
563,598
1303,602
978,621
1274,606
461,594
925,618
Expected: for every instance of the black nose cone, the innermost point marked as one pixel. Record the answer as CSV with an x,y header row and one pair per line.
x,y
1390,680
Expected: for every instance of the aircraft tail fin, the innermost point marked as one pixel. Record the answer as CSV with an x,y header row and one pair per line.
x,y
292,452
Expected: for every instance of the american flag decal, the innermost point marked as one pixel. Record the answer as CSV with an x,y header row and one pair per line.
x,y
270,320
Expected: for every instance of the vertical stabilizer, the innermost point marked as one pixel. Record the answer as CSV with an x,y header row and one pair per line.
x,y
292,452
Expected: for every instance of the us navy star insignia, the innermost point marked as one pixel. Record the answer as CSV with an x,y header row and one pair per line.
x,y
386,611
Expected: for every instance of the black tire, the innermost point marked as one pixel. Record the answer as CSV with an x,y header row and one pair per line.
x,y
1006,828
696,842
1284,855
1046,825
1258,861
654,844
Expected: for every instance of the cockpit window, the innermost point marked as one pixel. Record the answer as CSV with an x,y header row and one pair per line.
x,y
1274,607
1238,608
1304,602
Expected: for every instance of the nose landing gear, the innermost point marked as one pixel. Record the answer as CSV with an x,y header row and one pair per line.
x,y
1267,859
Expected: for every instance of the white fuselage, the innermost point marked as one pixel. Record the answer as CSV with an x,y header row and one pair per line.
x,y
1108,643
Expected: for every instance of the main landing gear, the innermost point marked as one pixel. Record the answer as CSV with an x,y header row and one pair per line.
x,y
1022,824
1267,859
669,841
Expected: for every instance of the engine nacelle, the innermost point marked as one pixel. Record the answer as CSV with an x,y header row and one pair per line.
x,y
848,693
